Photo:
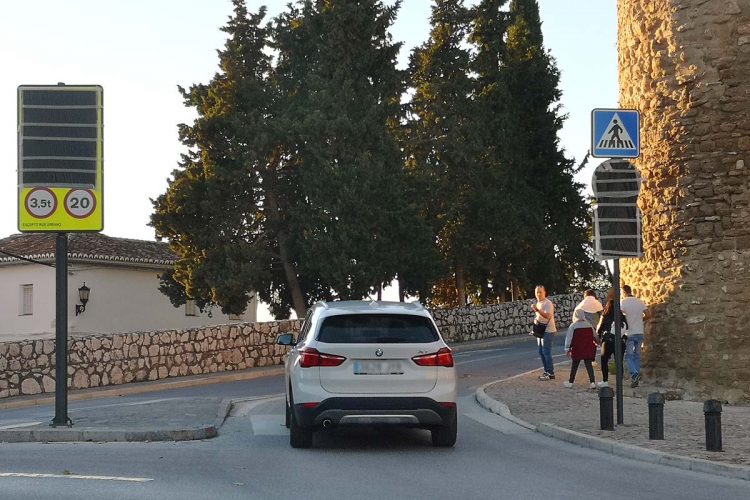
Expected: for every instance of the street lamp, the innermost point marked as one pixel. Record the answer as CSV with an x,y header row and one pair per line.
x,y
83,296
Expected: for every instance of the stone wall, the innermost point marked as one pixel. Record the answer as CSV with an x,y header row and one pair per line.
x,y
500,320
28,367
685,64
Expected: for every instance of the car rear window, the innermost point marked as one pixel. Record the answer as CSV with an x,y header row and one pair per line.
x,y
377,328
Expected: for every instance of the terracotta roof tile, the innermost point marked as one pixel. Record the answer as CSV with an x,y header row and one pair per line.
x,y
87,246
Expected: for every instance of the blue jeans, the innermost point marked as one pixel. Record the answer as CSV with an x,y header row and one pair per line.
x,y
633,354
545,351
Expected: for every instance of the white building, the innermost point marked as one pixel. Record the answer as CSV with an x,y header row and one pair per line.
x,y
123,277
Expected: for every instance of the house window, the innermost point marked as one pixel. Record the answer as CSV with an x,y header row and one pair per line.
x,y
190,308
235,317
27,300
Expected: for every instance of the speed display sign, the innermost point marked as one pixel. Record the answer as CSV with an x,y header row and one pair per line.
x,y
60,158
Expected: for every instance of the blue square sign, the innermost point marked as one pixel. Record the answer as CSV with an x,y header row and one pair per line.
x,y
615,133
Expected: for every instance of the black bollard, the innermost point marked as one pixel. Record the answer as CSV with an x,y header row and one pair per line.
x,y
712,411
655,416
606,409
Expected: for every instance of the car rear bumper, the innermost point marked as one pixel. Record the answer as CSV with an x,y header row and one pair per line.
x,y
416,412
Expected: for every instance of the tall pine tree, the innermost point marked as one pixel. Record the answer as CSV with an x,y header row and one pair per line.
x,y
441,147
505,220
337,66
212,210
560,253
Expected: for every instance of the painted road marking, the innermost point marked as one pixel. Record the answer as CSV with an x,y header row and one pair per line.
x,y
75,476
16,426
268,425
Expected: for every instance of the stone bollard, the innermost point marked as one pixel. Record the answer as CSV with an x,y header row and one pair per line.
x,y
606,409
656,416
712,411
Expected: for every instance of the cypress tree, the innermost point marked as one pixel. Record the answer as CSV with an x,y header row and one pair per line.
x,y
342,90
218,209
560,253
440,143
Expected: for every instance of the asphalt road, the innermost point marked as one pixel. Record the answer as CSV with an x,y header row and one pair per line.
x,y
251,457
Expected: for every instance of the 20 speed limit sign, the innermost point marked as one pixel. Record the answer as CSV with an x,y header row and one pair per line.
x,y
80,203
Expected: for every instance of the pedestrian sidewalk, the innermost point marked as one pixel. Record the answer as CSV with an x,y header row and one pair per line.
x,y
573,415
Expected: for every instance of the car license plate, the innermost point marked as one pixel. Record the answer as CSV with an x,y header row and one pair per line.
x,y
385,367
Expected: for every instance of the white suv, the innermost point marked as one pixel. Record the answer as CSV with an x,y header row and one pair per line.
x,y
369,363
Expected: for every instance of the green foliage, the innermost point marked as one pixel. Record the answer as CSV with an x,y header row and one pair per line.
x,y
212,212
560,256
305,178
294,183
483,143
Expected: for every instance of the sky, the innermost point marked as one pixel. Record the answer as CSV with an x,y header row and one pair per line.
x,y
140,50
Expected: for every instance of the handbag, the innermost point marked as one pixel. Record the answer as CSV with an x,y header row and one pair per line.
x,y
538,329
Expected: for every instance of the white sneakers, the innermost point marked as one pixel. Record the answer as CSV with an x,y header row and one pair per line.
x,y
602,384
592,385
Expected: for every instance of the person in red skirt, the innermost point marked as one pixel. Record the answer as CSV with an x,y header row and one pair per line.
x,y
580,345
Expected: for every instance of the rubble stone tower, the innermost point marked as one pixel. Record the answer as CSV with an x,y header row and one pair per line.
x,y
685,64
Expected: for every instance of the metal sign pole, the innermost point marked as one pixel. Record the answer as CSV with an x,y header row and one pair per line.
x,y
61,331
618,341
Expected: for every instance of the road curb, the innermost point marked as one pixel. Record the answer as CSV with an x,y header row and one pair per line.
x,y
69,435
644,454
609,446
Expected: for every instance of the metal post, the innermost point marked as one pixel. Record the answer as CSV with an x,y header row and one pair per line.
x,y
618,341
712,411
61,331
655,416
606,413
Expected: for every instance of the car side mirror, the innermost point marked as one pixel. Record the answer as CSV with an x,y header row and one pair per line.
x,y
286,339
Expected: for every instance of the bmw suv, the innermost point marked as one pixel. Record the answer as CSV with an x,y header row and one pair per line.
x,y
369,363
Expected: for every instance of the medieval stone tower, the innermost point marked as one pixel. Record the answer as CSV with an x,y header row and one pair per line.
x,y
685,64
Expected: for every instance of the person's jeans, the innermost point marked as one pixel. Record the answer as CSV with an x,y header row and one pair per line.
x,y
633,354
545,352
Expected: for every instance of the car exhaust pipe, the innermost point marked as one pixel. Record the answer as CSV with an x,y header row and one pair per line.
x,y
327,423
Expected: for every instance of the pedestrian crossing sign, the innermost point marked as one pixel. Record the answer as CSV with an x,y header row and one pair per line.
x,y
615,133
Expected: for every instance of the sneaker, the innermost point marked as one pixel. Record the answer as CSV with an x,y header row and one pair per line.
x,y
603,383
544,376
592,386
636,380
551,376
568,385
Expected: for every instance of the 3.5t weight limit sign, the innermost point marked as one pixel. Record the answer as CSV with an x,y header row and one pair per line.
x,y
60,158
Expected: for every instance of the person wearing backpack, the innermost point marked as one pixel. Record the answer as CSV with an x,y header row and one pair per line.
x,y
580,345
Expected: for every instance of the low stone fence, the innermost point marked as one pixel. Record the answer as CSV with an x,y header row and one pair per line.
x,y
28,367
501,320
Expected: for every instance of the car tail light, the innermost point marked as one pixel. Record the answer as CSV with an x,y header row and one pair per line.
x,y
310,357
444,357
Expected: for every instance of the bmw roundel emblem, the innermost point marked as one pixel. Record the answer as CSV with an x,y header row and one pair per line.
x,y
379,353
